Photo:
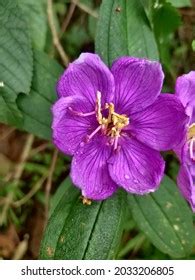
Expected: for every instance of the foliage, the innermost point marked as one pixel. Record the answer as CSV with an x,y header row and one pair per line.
x,y
159,223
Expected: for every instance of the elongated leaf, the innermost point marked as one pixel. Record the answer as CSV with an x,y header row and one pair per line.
x,y
60,192
36,15
165,218
59,213
180,3
77,231
16,62
123,29
166,20
36,107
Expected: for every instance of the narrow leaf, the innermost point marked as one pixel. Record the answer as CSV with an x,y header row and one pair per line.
x,y
124,29
180,3
165,218
77,231
166,19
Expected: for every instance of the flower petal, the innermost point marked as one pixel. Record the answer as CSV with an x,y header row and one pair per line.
x,y
89,170
69,128
162,125
179,150
85,76
185,88
136,167
138,82
186,186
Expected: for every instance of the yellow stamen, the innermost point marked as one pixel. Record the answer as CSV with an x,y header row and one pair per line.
x,y
117,121
98,107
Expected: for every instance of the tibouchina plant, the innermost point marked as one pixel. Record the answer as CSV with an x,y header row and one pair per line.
x,y
115,123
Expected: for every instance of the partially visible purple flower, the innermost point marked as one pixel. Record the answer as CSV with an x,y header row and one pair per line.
x,y
185,91
114,123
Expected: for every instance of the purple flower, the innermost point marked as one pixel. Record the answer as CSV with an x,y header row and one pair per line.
x,y
185,91
114,123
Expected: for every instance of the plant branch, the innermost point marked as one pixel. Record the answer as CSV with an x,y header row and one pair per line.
x,y
56,40
16,176
30,194
85,8
7,133
21,248
49,183
39,149
68,16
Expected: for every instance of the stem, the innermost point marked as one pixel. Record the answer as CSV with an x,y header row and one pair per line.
x,y
85,9
7,133
39,149
32,192
21,249
56,40
16,176
49,183
68,16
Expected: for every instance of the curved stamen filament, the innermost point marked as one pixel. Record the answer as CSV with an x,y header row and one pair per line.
x,y
94,132
110,125
98,107
80,113
116,142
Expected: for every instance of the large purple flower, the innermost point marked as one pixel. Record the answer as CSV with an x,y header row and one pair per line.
x,y
185,91
114,123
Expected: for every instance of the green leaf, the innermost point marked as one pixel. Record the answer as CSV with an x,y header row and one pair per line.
x,y
165,218
60,192
180,3
77,231
16,61
36,108
75,38
124,29
58,215
166,19
36,15
193,45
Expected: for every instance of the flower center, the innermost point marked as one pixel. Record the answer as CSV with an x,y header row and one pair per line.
x,y
114,123
111,125
191,139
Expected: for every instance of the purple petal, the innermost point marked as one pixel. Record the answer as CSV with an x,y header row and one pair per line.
x,y
162,125
70,129
85,76
138,82
185,88
186,186
179,149
136,167
89,170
